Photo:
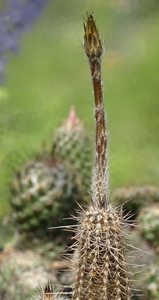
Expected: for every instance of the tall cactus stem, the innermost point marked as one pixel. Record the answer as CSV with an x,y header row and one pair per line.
x,y
100,266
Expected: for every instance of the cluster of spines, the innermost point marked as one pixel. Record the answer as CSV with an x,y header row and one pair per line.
x,y
100,265
48,293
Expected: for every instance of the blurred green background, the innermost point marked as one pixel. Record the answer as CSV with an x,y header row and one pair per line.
x,y
51,73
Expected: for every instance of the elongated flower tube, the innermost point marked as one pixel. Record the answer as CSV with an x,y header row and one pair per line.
x,y
100,267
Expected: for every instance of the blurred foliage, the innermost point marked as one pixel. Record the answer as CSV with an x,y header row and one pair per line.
x,y
51,73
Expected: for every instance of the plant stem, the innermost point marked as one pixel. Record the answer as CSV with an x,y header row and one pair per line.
x,y
100,267
94,50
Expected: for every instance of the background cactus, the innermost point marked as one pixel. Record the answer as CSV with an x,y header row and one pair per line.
x,y
47,188
144,203
135,197
71,143
43,193
152,282
21,273
149,221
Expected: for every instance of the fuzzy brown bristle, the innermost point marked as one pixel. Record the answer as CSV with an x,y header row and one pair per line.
x,y
94,49
100,265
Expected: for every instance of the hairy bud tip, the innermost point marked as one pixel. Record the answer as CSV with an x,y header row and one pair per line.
x,y
92,43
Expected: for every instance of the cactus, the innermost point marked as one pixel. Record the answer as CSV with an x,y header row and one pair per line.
x,y
43,193
46,188
145,204
99,262
100,267
21,273
149,221
71,143
135,197
152,282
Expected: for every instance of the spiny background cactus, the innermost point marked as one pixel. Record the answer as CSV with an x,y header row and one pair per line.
x,y
147,281
45,190
21,273
71,143
149,221
43,193
135,197
152,282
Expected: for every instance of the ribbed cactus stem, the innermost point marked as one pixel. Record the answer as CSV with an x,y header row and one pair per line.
x,y
100,265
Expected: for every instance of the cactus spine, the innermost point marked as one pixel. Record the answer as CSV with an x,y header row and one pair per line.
x,y
45,294
100,266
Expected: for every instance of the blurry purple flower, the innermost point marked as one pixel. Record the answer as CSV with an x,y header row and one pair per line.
x,y
2,67
17,19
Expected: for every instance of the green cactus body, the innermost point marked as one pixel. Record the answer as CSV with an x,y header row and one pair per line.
x,y
149,221
152,282
43,193
72,144
47,188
